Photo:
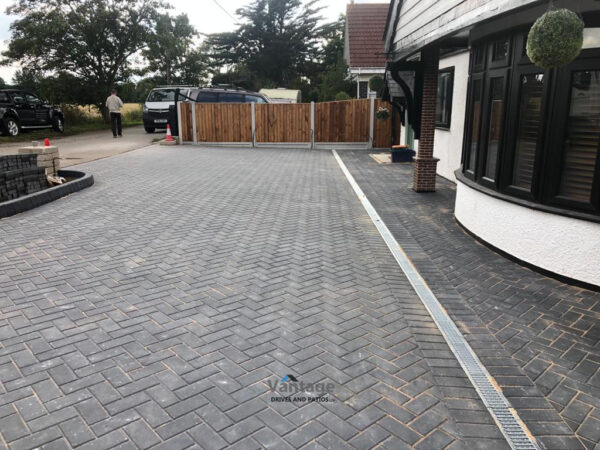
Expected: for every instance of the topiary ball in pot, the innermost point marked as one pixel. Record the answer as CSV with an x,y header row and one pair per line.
x,y
555,39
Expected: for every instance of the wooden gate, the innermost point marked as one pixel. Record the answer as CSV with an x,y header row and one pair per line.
x,y
282,122
349,121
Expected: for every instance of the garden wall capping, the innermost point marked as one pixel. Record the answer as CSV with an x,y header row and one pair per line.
x,y
27,202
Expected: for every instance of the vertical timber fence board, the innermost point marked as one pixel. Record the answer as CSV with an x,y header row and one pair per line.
x,y
218,122
185,125
280,122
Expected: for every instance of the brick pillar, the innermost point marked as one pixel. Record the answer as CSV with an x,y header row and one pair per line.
x,y
425,163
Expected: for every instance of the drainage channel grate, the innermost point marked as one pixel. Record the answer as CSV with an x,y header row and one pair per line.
x,y
510,424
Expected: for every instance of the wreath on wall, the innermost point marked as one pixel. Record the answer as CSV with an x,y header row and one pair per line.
x,y
555,39
382,114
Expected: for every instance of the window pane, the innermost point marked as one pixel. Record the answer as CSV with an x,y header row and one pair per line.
x,y
444,95
162,95
207,97
583,136
500,50
254,99
495,130
475,123
529,124
478,56
231,98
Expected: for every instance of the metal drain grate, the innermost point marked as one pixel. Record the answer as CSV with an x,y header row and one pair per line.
x,y
510,424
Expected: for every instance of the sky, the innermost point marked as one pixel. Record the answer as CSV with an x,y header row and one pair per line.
x,y
205,15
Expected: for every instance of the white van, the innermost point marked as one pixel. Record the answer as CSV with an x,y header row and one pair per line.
x,y
156,108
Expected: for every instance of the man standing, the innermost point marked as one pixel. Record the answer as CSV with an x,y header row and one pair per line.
x,y
114,105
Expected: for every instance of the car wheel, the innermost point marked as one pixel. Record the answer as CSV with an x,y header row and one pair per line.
x,y
149,129
11,127
58,124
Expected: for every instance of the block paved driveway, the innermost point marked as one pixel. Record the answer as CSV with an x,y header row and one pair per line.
x,y
151,309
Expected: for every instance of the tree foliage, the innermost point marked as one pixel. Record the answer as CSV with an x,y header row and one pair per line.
x,y
172,55
278,41
96,41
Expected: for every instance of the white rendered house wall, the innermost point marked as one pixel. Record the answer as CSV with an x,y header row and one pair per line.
x,y
559,244
447,144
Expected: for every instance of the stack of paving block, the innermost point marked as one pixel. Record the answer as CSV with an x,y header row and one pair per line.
x,y
47,157
20,175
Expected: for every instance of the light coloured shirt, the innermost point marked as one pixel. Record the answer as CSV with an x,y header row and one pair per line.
x,y
114,104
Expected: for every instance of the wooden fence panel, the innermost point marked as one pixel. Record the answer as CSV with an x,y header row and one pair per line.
x,y
282,122
342,121
185,127
223,122
382,130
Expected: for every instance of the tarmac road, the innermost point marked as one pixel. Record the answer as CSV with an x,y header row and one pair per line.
x,y
93,145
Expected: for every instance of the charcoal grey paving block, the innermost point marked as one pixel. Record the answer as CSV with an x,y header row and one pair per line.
x,y
141,434
91,411
304,434
36,440
108,441
13,428
207,438
76,432
30,408
590,429
437,439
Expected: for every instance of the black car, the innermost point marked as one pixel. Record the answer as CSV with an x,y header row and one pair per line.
x,y
22,110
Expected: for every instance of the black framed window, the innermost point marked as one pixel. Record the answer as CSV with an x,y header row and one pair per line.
x,y
534,133
363,89
582,138
443,108
529,127
473,124
494,125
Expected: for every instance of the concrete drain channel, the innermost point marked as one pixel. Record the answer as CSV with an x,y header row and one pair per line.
x,y
508,421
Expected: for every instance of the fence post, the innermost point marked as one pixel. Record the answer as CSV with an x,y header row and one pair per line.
x,y
179,131
312,125
194,123
253,115
371,122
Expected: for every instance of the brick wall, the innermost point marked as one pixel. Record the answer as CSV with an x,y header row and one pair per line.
x,y
425,163
20,175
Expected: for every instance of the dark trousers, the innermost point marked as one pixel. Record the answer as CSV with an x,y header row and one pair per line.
x,y
115,123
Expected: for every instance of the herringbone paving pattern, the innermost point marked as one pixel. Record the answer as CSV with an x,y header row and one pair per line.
x,y
540,338
151,310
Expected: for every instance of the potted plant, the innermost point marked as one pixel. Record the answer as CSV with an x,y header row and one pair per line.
x,y
555,39
401,153
382,113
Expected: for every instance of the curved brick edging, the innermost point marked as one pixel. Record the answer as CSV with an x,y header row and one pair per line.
x,y
27,202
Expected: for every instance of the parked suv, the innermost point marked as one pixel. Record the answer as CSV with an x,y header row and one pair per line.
x,y
216,94
21,110
156,108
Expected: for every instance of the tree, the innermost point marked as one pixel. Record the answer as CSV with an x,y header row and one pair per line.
x,y
171,53
334,78
95,41
278,41
2,83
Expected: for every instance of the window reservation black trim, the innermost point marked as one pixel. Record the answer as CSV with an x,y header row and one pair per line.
x,y
445,125
460,176
542,166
